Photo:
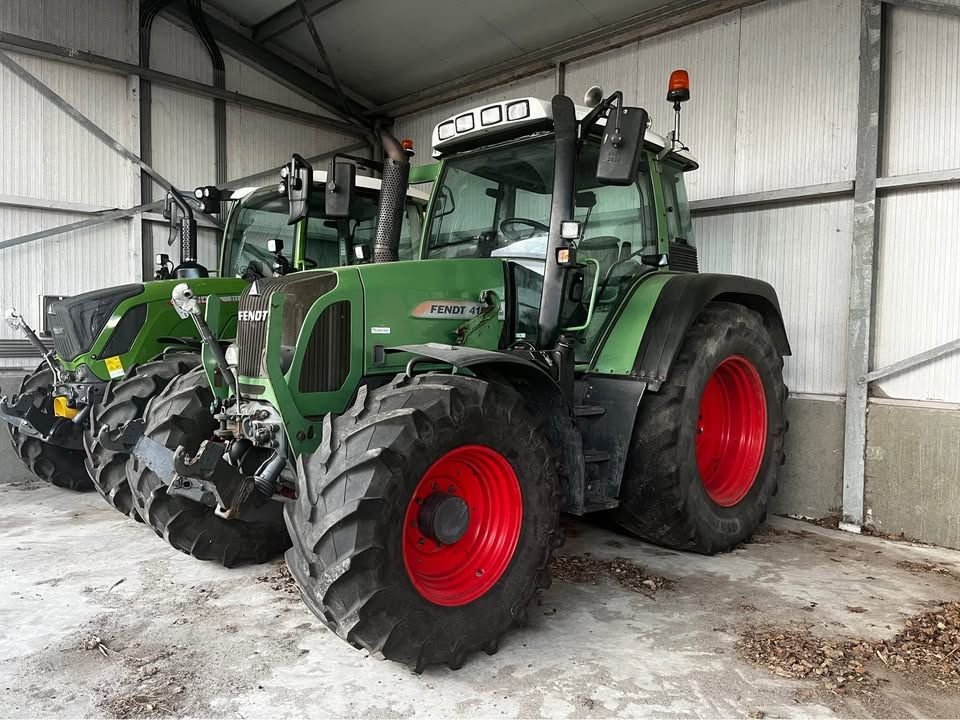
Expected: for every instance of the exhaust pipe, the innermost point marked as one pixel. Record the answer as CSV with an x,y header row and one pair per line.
x,y
393,195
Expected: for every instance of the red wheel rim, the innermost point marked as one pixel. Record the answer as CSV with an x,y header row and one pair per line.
x,y
463,571
731,430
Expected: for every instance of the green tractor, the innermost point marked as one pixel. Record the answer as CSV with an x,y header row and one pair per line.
x,y
116,348
423,423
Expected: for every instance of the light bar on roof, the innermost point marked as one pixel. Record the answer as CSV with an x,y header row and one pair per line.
x,y
495,117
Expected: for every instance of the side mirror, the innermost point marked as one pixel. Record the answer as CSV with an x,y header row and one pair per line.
x,y
341,182
622,146
296,179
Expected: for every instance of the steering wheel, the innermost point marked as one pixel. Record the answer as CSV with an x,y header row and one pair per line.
x,y
310,263
506,227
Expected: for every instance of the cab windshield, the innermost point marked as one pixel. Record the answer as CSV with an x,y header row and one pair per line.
x,y
496,203
263,217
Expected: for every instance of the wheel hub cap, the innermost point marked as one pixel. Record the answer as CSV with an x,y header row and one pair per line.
x,y
443,518
731,430
462,525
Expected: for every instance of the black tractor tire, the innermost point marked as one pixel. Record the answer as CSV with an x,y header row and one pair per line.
x,y
124,401
54,464
664,496
353,532
181,415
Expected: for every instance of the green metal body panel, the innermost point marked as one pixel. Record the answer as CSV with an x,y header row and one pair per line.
x,y
424,173
617,351
161,322
391,304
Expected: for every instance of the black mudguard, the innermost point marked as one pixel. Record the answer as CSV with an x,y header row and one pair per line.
x,y
679,303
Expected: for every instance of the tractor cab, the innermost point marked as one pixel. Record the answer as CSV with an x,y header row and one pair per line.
x,y
496,194
259,241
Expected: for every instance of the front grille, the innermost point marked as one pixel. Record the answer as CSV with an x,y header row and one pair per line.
x,y
326,362
301,289
76,322
252,333
683,257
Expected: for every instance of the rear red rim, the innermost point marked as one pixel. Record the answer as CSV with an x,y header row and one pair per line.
x,y
731,430
460,572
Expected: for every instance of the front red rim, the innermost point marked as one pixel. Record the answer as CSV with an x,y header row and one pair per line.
x,y
731,430
465,570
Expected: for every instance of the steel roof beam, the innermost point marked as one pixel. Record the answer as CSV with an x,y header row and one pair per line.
x,y
272,65
28,46
287,18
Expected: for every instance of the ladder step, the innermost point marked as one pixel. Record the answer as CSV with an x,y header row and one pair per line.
x,y
598,504
588,410
595,456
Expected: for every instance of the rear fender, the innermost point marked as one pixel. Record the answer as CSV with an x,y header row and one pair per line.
x,y
651,328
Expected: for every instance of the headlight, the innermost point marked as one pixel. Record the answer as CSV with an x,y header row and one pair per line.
x,y
232,355
518,110
446,130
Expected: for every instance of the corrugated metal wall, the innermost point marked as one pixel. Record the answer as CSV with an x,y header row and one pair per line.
x,y
774,106
49,157
918,290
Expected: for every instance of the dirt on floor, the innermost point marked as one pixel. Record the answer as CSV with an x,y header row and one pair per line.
x,y
99,617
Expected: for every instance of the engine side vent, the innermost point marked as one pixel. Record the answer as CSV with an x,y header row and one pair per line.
x,y
326,362
683,257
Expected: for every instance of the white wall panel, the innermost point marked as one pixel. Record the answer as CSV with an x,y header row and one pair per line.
x,y
804,252
259,142
183,145
709,52
63,264
47,154
99,26
796,121
612,70
918,291
246,80
179,52
922,81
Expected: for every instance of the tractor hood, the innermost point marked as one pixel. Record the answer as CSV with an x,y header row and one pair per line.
x,y
307,340
77,321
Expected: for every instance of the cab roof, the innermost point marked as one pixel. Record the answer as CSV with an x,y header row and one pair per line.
x,y
517,117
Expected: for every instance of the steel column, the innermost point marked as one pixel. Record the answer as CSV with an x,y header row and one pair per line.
x,y
860,319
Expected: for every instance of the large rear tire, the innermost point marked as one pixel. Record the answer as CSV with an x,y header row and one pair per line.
x,y
707,447
180,415
124,401
54,464
377,549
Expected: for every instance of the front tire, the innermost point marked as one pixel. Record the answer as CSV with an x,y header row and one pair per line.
x,y
54,464
126,400
377,549
708,446
180,415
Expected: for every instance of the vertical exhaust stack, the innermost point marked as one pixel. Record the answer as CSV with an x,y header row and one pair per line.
x,y
393,193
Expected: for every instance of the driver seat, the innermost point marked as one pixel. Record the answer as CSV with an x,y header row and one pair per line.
x,y
605,249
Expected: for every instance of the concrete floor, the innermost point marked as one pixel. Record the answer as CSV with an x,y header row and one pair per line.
x,y
100,617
